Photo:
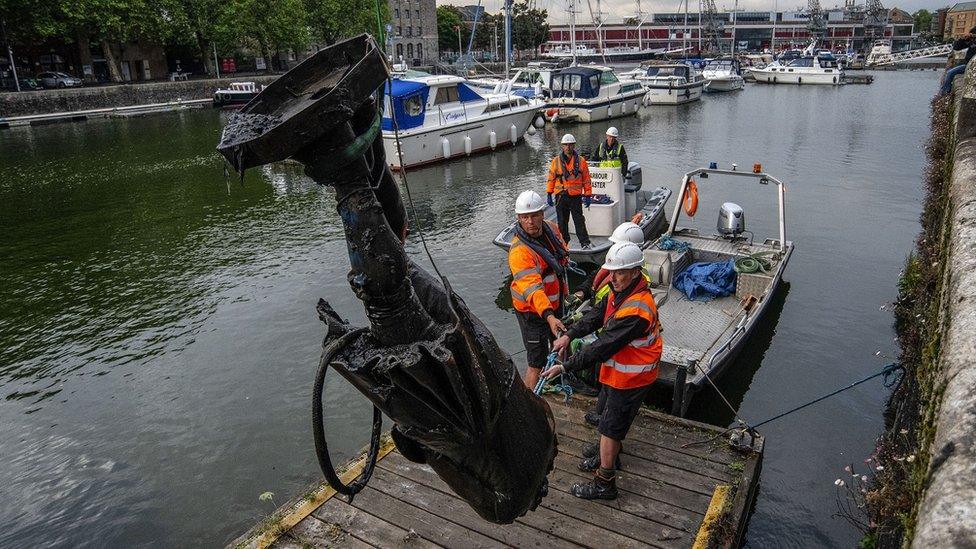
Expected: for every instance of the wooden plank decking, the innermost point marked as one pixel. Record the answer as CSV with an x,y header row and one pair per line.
x,y
671,495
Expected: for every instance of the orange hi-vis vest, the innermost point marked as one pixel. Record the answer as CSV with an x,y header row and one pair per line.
x,y
636,364
568,177
535,286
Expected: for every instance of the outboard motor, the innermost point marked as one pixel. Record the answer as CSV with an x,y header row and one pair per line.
x,y
731,220
635,177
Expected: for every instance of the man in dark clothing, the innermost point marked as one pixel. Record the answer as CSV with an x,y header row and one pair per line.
x,y
966,42
628,350
610,152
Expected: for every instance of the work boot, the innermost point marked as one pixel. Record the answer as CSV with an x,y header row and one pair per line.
x,y
591,449
603,486
593,463
593,418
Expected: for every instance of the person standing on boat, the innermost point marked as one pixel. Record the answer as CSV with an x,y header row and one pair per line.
x,y
628,350
537,259
610,152
569,180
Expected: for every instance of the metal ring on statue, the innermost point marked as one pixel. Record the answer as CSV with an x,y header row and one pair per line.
x,y
318,428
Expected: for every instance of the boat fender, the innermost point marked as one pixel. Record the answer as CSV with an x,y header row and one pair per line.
x,y
799,80
691,198
446,148
774,80
835,80
609,111
531,130
539,122
492,140
467,145
623,108
513,133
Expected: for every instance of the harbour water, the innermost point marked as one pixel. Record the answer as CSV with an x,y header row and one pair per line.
x,y
158,335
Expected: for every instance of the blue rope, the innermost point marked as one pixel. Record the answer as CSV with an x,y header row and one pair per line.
x,y
556,387
668,243
573,267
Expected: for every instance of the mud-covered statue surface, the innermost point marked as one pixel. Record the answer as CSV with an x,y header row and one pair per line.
x,y
425,361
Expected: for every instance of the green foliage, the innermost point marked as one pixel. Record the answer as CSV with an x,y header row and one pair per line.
x,y
529,27
333,20
448,23
923,21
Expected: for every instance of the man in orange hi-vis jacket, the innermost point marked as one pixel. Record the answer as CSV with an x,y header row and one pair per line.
x,y
569,180
538,259
628,350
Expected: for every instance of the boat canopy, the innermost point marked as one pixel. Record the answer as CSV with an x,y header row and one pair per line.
x,y
407,98
580,82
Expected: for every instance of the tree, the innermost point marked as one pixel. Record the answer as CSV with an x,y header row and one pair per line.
x,y
333,20
529,26
266,25
923,21
448,23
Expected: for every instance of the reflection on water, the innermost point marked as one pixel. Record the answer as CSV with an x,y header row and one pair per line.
x,y
158,336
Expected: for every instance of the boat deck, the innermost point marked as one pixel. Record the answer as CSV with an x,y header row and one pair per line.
x,y
680,485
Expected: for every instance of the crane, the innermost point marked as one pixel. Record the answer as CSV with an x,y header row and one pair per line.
x,y
817,24
711,27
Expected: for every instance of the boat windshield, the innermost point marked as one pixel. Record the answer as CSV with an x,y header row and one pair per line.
x,y
723,64
667,71
608,77
801,62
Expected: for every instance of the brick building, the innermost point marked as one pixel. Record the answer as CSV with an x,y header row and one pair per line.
x,y
413,31
959,19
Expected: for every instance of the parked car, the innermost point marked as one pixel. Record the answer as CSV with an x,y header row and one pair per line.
x,y
58,80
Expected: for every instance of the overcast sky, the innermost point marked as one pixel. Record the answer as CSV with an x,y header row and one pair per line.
x,y
618,9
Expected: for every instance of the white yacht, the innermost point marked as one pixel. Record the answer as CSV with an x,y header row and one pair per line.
x,y
669,84
722,75
809,68
590,94
435,118
565,51
528,81
236,95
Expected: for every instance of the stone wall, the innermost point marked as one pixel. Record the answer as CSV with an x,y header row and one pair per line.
x,y
947,514
53,101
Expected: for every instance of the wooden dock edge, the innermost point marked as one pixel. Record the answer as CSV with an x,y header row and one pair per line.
x,y
288,515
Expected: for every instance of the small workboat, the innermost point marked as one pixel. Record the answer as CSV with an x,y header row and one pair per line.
x,y
722,75
673,84
591,94
443,117
238,94
624,200
703,337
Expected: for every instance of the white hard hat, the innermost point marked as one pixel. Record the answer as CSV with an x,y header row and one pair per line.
x,y
628,232
529,202
623,255
568,138
612,131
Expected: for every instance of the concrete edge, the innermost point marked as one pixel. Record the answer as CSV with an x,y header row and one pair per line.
x,y
947,514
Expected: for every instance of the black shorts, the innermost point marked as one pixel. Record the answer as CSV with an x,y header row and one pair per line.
x,y
620,409
537,338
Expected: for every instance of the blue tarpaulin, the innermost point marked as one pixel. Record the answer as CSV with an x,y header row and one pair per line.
x,y
706,281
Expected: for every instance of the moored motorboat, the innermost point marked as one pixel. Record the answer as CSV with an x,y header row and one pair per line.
x,y
236,95
534,76
672,84
624,200
811,67
722,75
429,119
591,94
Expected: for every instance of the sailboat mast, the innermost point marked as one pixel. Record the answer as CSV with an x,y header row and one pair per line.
x,y
508,38
684,32
572,28
735,19
772,41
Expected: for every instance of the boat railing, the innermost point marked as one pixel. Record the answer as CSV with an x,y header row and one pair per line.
x,y
757,174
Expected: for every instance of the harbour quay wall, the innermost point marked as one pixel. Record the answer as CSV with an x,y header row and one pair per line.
x,y
124,95
947,512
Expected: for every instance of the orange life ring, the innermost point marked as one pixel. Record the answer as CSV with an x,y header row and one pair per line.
x,y
551,113
691,198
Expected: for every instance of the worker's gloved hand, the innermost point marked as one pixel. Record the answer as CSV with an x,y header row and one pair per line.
x,y
587,200
549,199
